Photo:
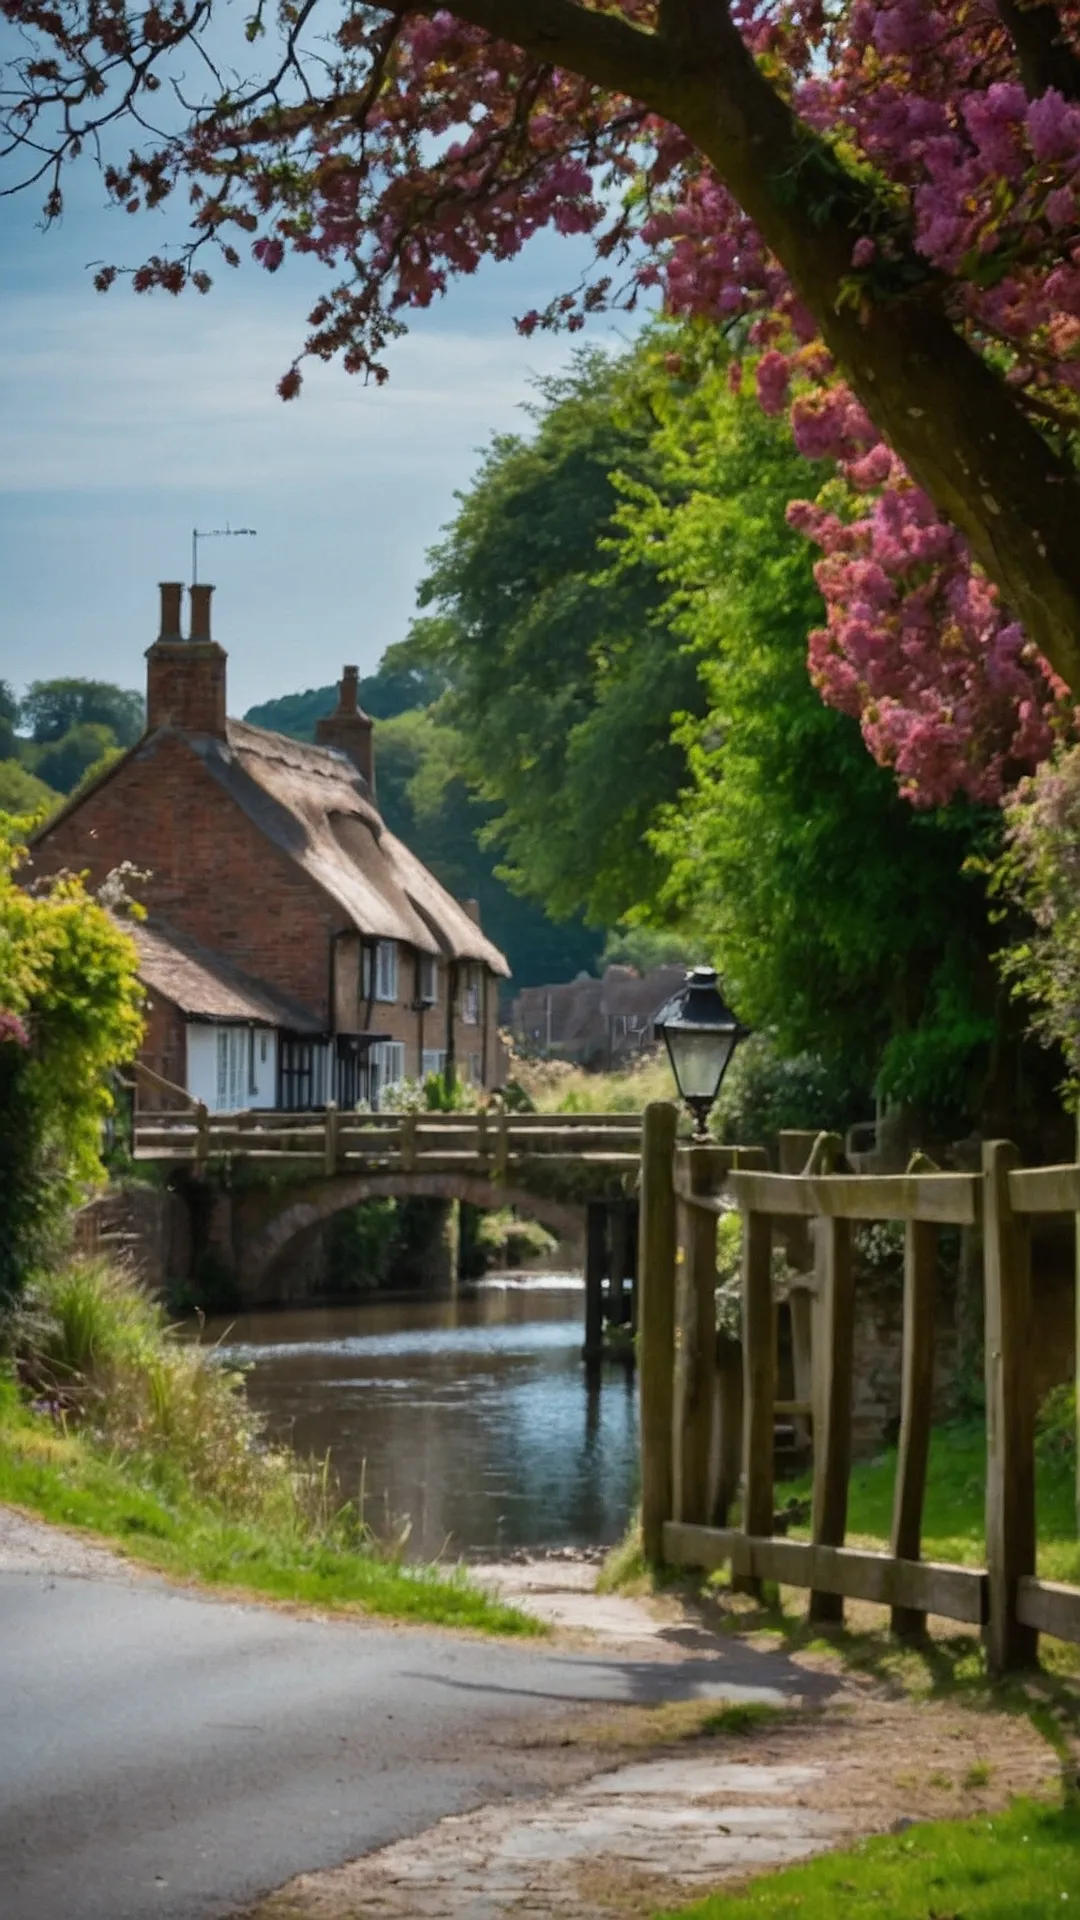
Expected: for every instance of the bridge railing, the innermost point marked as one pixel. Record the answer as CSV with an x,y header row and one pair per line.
x,y
341,1141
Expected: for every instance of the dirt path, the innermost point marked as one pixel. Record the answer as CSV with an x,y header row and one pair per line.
x,y
681,1798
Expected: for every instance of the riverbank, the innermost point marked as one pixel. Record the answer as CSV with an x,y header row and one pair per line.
x,y
111,1425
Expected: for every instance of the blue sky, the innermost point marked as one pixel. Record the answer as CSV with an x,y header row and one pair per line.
x,y
128,420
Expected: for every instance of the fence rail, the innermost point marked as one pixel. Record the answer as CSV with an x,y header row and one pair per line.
x,y
491,1144
707,1434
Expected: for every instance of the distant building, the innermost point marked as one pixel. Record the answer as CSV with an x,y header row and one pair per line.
x,y
295,950
596,1023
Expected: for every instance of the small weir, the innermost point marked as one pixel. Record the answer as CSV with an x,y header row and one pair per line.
x,y
473,1416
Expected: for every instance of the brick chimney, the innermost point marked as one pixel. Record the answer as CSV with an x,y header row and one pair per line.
x,y
185,679
349,728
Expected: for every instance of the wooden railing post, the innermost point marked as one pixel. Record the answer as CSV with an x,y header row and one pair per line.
x,y
656,1320
596,1261
759,1383
695,1341
202,1133
1010,1413
330,1138
409,1124
728,1435
833,1362
917,1388
502,1147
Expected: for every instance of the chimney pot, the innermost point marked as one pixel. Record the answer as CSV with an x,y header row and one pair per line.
x,y
185,679
171,596
200,612
348,691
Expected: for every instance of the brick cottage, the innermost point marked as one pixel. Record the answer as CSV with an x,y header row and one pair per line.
x,y
295,950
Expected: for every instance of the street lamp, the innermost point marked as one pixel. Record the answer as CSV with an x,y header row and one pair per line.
x,y
701,1035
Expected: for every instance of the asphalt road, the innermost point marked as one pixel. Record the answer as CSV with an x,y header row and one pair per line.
x,y
168,1755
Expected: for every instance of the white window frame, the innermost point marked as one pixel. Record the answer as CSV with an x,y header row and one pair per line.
x,y
432,1060
386,970
388,1062
233,1045
427,978
470,997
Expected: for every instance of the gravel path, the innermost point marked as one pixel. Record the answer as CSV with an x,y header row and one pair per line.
x,y
29,1546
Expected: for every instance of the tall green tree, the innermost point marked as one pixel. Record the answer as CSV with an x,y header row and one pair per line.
x,y
842,920
52,708
564,674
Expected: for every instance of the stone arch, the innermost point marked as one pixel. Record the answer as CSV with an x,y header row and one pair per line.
x,y
261,1235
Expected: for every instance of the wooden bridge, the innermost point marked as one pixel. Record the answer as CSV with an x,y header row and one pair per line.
x,y
576,1156
576,1173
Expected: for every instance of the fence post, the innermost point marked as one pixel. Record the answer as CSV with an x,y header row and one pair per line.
x,y
917,1387
656,1319
728,1434
1010,1413
502,1147
759,1384
595,1264
202,1133
695,1343
330,1138
833,1362
409,1123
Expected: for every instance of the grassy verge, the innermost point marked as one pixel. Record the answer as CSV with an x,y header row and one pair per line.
x,y
1019,1865
109,1423
953,1517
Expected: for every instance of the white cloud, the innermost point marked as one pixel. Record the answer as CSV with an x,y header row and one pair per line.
x,y
113,393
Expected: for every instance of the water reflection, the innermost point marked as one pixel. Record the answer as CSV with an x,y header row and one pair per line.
x,y
473,1416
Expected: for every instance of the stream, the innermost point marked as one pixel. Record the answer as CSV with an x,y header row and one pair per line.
x,y
471,1416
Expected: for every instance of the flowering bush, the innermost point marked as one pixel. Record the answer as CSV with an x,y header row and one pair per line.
x,y
1039,871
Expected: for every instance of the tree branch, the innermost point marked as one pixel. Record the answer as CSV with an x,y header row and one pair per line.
x,y
1043,52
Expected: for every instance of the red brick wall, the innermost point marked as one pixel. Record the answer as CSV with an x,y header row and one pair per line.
x,y
212,874
185,686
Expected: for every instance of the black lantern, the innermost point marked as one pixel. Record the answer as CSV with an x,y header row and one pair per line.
x,y
701,1034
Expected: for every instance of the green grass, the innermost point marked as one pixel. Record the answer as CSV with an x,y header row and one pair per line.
x,y
64,1478
150,1442
953,1521
1019,1865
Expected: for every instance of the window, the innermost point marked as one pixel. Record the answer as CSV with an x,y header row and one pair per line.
x,y
432,1060
301,1074
473,1066
232,1069
386,985
470,997
387,1067
427,978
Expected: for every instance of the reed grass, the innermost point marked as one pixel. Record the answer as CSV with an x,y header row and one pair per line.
x,y
108,1421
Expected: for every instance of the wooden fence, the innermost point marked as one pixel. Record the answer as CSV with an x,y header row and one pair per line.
x,y
488,1144
708,1427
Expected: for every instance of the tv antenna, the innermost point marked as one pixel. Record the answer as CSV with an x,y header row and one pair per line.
x,y
215,533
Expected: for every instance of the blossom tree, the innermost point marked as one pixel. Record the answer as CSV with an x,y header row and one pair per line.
x,y
877,198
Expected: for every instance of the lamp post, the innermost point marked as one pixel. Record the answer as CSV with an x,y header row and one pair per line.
x,y
701,1034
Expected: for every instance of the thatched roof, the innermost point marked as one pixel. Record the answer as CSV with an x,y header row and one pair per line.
x,y
207,987
311,803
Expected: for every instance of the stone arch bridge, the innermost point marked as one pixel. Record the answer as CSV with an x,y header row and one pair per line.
x,y
259,1182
